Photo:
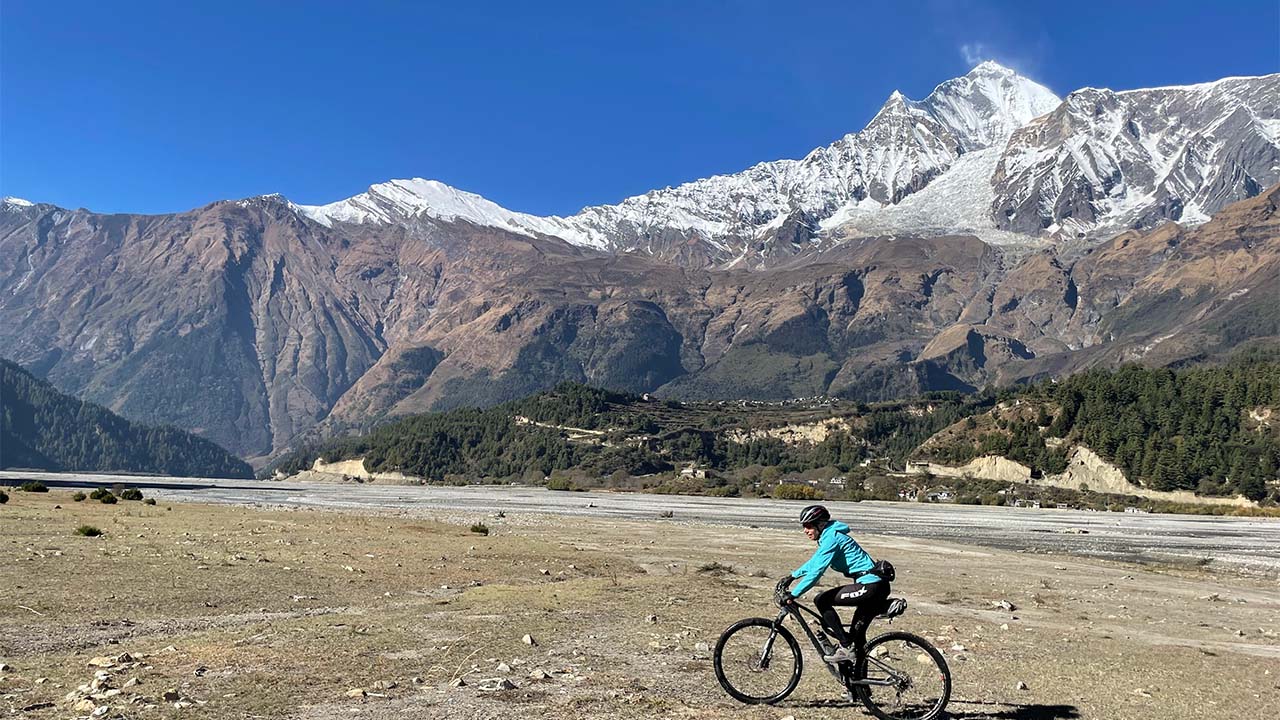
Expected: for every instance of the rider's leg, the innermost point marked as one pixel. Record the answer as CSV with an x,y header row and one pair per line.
x,y
868,606
830,618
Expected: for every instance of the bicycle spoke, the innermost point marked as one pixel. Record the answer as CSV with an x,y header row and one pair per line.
x,y
756,663
917,687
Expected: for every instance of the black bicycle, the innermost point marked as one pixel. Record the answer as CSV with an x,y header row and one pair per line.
x,y
897,676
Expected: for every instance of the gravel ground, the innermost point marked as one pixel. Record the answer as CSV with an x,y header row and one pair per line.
x,y
322,612
1242,544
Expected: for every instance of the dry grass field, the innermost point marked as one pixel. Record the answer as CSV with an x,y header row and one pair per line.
x,y
207,611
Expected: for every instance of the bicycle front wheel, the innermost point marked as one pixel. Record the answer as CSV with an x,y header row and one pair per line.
x,y
911,680
758,661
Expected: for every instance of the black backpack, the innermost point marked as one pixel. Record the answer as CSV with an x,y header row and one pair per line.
x,y
885,570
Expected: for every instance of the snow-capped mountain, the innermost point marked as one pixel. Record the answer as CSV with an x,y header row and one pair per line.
x,y
1106,160
991,153
401,200
900,151
1018,164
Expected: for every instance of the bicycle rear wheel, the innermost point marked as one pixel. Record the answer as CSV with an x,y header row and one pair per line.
x,y
920,679
758,661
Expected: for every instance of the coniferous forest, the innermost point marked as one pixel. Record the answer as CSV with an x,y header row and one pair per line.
x,y
1214,430
41,428
1210,429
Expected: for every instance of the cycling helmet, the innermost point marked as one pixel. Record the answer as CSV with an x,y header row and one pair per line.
x,y
813,515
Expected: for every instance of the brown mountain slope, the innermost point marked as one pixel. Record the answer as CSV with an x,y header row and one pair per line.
x,y
254,325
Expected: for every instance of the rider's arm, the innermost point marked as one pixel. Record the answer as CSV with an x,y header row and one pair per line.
x,y
810,572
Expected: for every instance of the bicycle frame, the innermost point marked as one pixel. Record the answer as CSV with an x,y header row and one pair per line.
x,y
794,610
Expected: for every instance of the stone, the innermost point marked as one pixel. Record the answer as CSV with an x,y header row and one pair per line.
x,y
100,711
417,680
651,619
85,706
528,640
357,692
457,682
132,682
171,695
539,675
1020,686
504,668
384,684
1004,605
38,706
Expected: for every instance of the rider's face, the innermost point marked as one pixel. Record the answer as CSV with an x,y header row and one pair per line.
x,y
811,532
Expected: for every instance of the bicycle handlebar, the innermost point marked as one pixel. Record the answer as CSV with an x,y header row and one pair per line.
x,y
780,594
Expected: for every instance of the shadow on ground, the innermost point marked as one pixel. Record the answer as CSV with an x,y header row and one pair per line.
x,y
1008,711
970,710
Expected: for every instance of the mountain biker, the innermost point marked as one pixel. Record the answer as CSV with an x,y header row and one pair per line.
x,y
867,593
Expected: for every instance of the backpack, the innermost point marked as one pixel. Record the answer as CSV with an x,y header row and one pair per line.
x,y
885,570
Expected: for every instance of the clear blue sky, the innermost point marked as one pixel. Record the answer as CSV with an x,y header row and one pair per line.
x,y
543,107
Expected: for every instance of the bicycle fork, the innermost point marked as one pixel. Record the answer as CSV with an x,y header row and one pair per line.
x,y
767,650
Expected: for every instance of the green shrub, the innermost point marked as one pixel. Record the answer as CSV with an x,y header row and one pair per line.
x,y
33,486
480,529
78,496
559,483
107,499
131,494
98,493
88,531
4,497
795,491
149,501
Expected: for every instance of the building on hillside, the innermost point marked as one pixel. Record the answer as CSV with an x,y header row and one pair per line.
x,y
695,471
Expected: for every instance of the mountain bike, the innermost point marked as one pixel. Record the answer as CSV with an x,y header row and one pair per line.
x,y
897,675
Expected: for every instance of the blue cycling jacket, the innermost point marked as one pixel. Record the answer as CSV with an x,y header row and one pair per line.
x,y
835,550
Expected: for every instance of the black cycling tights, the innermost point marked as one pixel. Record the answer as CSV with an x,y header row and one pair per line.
x,y
869,601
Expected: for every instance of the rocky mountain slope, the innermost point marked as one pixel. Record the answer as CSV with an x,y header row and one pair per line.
x,y
253,327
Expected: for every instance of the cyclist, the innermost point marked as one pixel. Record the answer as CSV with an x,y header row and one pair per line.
x,y
866,593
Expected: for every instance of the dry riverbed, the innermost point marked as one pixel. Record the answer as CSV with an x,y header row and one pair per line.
x,y
214,611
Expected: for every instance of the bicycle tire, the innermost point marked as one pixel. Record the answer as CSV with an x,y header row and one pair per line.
x,y
791,644
864,692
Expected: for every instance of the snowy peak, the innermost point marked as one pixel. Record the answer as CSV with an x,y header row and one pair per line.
x,y
984,107
401,200
1107,160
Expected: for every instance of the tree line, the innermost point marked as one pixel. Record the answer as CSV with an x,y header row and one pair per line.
x,y
41,428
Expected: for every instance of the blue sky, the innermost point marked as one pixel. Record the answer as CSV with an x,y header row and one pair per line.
x,y
542,107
